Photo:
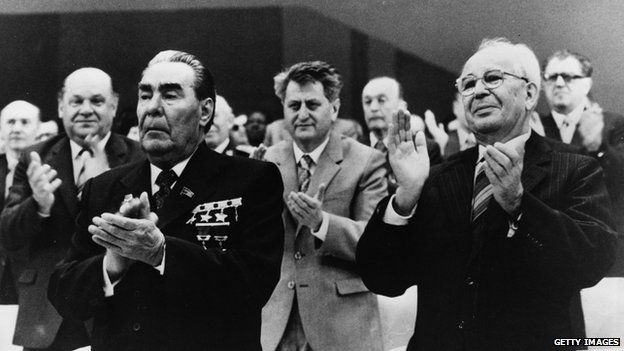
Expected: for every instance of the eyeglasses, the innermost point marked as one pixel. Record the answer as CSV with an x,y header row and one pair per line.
x,y
491,79
567,78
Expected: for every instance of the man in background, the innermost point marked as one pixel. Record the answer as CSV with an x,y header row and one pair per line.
x,y
39,218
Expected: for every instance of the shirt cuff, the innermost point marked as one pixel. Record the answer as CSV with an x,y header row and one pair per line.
x,y
322,232
393,218
161,267
43,215
109,287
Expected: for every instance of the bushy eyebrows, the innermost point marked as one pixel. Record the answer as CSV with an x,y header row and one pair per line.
x,y
161,87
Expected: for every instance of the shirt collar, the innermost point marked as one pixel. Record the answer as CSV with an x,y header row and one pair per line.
x,y
76,148
516,143
11,161
222,146
178,168
315,154
573,117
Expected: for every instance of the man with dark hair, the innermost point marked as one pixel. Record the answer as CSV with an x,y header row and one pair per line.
x,y
332,184
180,251
499,238
42,204
256,127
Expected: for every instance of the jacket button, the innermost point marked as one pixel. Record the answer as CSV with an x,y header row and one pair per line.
x,y
136,326
291,285
298,255
469,281
460,325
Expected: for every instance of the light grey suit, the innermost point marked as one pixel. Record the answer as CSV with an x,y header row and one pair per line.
x,y
337,311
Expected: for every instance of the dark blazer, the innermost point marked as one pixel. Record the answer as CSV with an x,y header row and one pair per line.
x,y
337,311
37,244
477,288
8,292
208,298
610,155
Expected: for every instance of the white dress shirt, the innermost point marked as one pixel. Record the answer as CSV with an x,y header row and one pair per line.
x,y
566,130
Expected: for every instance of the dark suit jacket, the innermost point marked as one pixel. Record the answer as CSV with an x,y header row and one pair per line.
x,y
8,293
36,243
337,311
478,289
611,158
207,299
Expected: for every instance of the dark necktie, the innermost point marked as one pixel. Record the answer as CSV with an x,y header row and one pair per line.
x,y
304,173
164,181
482,192
379,145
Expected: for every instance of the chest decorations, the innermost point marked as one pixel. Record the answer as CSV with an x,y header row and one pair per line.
x,y
212,220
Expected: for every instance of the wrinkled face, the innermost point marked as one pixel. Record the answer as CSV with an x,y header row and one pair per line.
x,y
499,112
88,104
308,114
220,128
380,99
18,128
565,97
171,118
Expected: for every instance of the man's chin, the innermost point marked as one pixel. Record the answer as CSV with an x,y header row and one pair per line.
x,y
156,146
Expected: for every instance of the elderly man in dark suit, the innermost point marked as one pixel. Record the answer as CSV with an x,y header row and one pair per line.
x,y
192,255
19,122
501,236
331,186
42,205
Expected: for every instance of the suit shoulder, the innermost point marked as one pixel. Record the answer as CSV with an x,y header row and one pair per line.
x,y
358,149
45,146
245,166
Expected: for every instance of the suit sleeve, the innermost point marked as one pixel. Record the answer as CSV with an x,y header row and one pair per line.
x,y
343,233
19,223
573,244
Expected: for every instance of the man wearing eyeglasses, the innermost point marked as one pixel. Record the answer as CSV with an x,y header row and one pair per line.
x,y
576,120
499,238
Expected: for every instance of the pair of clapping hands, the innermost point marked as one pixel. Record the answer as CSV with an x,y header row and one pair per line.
x,y
409,160
129,235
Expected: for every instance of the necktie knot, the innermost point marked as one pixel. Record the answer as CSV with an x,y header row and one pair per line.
x,y
166,178
306,162
85,152
379,145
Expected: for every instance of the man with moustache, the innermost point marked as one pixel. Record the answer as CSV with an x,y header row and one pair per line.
x,y
193,254
19,121
499,238
331,186
38,220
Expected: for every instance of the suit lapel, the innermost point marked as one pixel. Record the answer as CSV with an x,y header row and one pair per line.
x,y
116,151
197,182
328,165
456,183
59,158
550,127
4,170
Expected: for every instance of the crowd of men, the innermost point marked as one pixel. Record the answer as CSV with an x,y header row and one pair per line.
x,y
207,231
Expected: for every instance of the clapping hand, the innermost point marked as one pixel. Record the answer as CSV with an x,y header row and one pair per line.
x,y
98,164
590,127
43,182
409,161
258,153
133,238
436,129
307,210
503,167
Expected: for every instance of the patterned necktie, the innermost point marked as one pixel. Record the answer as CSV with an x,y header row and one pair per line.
x,y
304,173
82,177
482,192
379,145
164,181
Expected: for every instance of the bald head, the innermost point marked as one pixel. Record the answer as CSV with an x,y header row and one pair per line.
x,y
87,103
381,97
19,121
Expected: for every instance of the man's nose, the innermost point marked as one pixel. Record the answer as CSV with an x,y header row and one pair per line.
x,y
374,105
86,108
480,89
154,106
560,81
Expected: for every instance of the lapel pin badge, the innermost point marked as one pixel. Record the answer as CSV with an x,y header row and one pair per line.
x,y
187,192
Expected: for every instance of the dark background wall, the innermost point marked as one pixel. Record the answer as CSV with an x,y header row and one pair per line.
x,y
244,48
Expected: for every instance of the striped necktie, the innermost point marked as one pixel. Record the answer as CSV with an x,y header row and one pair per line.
x,y
304,173
482,192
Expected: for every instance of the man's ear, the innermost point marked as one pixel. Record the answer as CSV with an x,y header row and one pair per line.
x,y
60,108
587,85
335,109
207,111
532,95
115,103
